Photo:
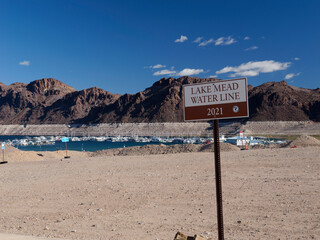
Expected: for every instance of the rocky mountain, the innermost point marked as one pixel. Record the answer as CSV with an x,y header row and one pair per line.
x,y
162,102
77,105
48,101
278,101
51,101
24,103
273,101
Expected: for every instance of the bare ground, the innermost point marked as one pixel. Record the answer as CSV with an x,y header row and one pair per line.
x,y
268,194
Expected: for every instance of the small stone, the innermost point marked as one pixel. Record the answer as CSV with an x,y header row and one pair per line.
x,y
73,230
46,228
238,221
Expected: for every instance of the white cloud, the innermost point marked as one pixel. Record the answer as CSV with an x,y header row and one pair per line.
x,y
189,71
251,69
205,43
225,41
164,72
291,75
214,76
198,39
246,38
184,72
24,63
249,73
296,58
251,48
181,39
158,66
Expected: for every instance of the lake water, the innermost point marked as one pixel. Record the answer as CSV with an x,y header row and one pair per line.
x,y
89,146
82,146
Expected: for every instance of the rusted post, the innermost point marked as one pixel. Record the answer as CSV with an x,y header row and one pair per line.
x,y
218,178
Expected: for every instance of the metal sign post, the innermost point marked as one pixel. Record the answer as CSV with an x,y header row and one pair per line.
x,y
65,140
241,139
216,100
218,178
3,147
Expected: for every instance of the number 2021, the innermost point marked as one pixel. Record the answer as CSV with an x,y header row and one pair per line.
x,y
214,111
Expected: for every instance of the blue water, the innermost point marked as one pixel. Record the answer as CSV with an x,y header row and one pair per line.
x,y
82,146
89,146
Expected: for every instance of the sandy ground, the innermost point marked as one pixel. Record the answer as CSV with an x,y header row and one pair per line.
x,y
267,193
6,236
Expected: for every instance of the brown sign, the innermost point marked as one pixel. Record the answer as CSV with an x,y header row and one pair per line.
x,y
216,100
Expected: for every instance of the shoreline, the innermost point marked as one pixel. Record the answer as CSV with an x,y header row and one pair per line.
x,y
163,129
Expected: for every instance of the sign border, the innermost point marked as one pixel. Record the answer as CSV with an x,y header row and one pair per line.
x,y
207,119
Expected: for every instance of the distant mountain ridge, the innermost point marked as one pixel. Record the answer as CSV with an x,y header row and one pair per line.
x,y
48,101
278,101
51,101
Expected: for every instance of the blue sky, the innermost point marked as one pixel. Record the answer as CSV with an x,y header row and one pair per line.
x,y
125,46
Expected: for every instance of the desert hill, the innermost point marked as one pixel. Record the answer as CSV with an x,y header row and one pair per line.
x,y
48,101
162,102
51,101
77,105
278,101
24,103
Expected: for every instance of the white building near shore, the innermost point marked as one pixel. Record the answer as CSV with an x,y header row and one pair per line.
x,y
238,141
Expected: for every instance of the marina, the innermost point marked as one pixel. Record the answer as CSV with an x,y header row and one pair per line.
x,y
96,143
